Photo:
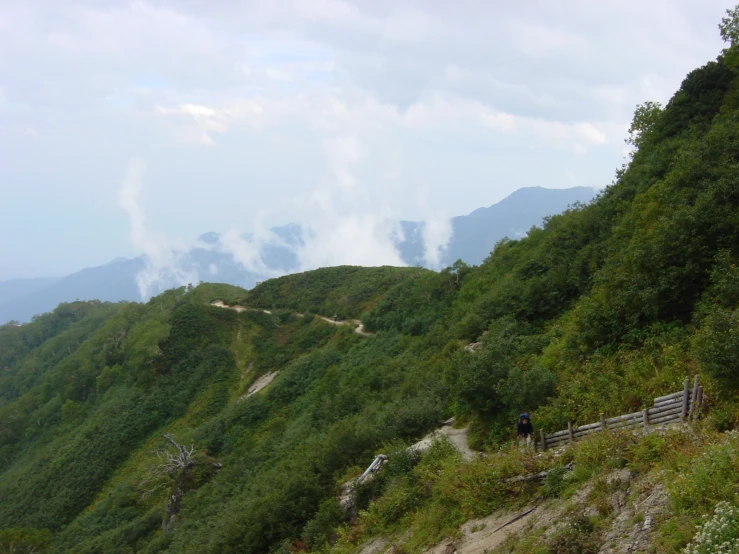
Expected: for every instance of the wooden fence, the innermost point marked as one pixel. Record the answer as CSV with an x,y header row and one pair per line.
x,y
678,406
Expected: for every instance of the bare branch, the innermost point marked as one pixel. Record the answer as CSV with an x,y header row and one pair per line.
x,y
173,462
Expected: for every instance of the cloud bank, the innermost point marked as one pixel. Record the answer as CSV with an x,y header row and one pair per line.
x,y
165,264
314,111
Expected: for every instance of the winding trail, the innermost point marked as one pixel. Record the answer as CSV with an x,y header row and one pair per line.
x,y
358,326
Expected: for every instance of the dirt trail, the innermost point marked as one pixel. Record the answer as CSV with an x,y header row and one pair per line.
x,y
458,438
358,326
236,307
479,536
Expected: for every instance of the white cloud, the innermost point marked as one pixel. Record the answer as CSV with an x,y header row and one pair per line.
x,y
342,154
328,112
436,234
590,133
344,226
349,239
473,100
164,265
278,75
247,250
539,40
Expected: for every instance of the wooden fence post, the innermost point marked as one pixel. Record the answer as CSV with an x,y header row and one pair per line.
x,y
543,440
645,417
697,412
603,423
569,432
693,398
686,399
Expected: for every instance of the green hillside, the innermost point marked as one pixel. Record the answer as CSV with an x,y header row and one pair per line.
x,y
603,308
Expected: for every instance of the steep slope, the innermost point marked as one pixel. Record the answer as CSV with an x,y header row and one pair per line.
x,y
84,411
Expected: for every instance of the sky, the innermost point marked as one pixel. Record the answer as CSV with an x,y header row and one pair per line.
x,y
128,128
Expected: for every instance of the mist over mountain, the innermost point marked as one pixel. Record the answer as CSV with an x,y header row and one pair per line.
x,y
18,288
475,234
243,261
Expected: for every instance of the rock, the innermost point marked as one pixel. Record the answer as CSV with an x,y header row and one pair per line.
x,y
380,545
259,384
458,438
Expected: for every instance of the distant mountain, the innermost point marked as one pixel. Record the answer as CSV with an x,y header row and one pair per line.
x,y
212,259
18,288
110,282
474,235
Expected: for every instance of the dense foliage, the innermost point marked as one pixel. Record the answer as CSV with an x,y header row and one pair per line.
x,y
602,308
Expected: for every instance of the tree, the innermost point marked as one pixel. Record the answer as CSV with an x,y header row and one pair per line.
x,y
457,270
482,373
729,26
646,116
175,467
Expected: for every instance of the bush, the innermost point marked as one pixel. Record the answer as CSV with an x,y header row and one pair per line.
x,y
708,478
322,528
554,482
402,461
25,541
577,537
719,534
717,346
647,451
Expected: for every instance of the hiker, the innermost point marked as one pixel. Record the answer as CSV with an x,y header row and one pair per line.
x,y
335,316
524,431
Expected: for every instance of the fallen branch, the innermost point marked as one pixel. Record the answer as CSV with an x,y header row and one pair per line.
x,y
527,512
532,476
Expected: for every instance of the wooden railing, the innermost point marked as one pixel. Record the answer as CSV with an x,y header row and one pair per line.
x,y
678,406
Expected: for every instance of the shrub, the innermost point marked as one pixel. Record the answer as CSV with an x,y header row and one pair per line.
x,y
601,450
402,461
647,451
25,541
554,482
719,534
709,478
577,537
321,529
717,345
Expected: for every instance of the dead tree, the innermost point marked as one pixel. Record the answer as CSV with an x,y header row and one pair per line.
x,y
176,470
177,467
181,461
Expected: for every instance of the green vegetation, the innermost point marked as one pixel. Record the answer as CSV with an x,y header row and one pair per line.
x,y
346,291
718,534
600,310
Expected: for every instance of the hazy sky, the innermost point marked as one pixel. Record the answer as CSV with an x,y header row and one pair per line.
x,y
235,115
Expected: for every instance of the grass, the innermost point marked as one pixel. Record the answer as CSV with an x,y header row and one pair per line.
x,y
428,503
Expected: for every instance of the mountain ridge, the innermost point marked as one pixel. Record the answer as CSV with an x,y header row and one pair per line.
x,y
473,237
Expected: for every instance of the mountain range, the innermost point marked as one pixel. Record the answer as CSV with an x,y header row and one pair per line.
x,y
349,409
473,237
